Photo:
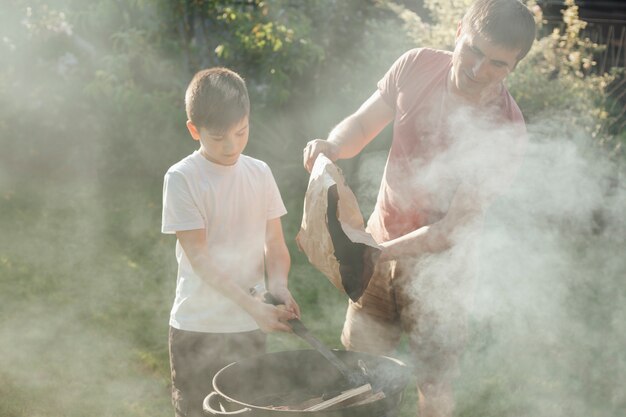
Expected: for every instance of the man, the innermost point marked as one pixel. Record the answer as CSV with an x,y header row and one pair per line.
x,y
458,138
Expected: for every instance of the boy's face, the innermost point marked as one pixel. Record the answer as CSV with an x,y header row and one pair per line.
x,y
222,148
479,65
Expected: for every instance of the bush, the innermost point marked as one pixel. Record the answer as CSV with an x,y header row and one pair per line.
x,y
556,82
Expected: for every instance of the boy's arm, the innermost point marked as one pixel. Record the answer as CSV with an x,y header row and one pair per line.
x,y
277,264
353,133
268,317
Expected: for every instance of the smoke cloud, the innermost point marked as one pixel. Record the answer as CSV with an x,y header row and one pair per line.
x,y
547,318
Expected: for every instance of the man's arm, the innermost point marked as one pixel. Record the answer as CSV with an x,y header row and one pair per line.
x,y
277,264
353,133
466,211
268,317
468,205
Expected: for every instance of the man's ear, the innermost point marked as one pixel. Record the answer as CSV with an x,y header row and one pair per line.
x,y
459,29
193,130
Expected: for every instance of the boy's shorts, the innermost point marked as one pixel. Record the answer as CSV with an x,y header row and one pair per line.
x,y
428,303
196,357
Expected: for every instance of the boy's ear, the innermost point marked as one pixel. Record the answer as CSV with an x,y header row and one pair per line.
x,y
459,30
193,130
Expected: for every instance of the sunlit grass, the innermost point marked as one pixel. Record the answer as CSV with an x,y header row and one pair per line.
x,y
84,323
84,310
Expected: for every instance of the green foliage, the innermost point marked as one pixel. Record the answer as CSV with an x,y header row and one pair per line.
x,y
289,52
277,46
266,41
556,82
439,31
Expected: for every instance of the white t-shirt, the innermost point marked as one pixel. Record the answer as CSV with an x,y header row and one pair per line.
x,y
233,204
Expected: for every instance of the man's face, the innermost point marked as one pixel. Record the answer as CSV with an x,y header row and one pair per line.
x,y
479,65
224,148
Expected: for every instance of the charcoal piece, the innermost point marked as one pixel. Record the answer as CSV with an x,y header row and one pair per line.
x,y
356,260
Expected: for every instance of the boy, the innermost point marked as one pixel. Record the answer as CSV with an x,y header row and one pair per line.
x,y
225,209
452,115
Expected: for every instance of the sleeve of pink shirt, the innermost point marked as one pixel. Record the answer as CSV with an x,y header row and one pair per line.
x,y
389,86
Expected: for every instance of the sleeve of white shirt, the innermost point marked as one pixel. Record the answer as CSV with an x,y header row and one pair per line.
x,y
276,207
180,212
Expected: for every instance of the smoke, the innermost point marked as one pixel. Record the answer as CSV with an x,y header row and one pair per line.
x,y
54,365
549,294
67,342
547,317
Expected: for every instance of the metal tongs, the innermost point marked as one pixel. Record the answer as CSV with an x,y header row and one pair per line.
x,y
355,377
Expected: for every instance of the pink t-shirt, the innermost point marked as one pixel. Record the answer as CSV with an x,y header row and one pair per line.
x,y
439,143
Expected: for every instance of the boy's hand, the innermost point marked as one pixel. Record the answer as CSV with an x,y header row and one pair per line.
x,y
271,318
316,147
283,295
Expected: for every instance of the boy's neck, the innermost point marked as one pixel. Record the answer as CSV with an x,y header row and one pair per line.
x,y
204,154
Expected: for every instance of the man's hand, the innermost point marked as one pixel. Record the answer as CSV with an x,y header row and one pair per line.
x,y
353,133
316,147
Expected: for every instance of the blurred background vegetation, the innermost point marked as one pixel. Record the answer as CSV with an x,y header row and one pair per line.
x,y
92,115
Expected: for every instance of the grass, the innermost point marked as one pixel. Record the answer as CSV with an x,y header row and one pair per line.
x,y
86,284
85,292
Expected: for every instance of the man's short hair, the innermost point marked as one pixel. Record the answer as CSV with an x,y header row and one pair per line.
x,y
506,23
216,99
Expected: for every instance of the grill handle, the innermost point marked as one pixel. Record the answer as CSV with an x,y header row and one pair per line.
x,y
206,405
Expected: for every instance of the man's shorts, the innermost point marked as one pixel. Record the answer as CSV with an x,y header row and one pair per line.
x,y
196,357
426,299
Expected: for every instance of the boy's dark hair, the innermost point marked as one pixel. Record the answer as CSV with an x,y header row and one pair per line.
x,y
216,99
507,23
